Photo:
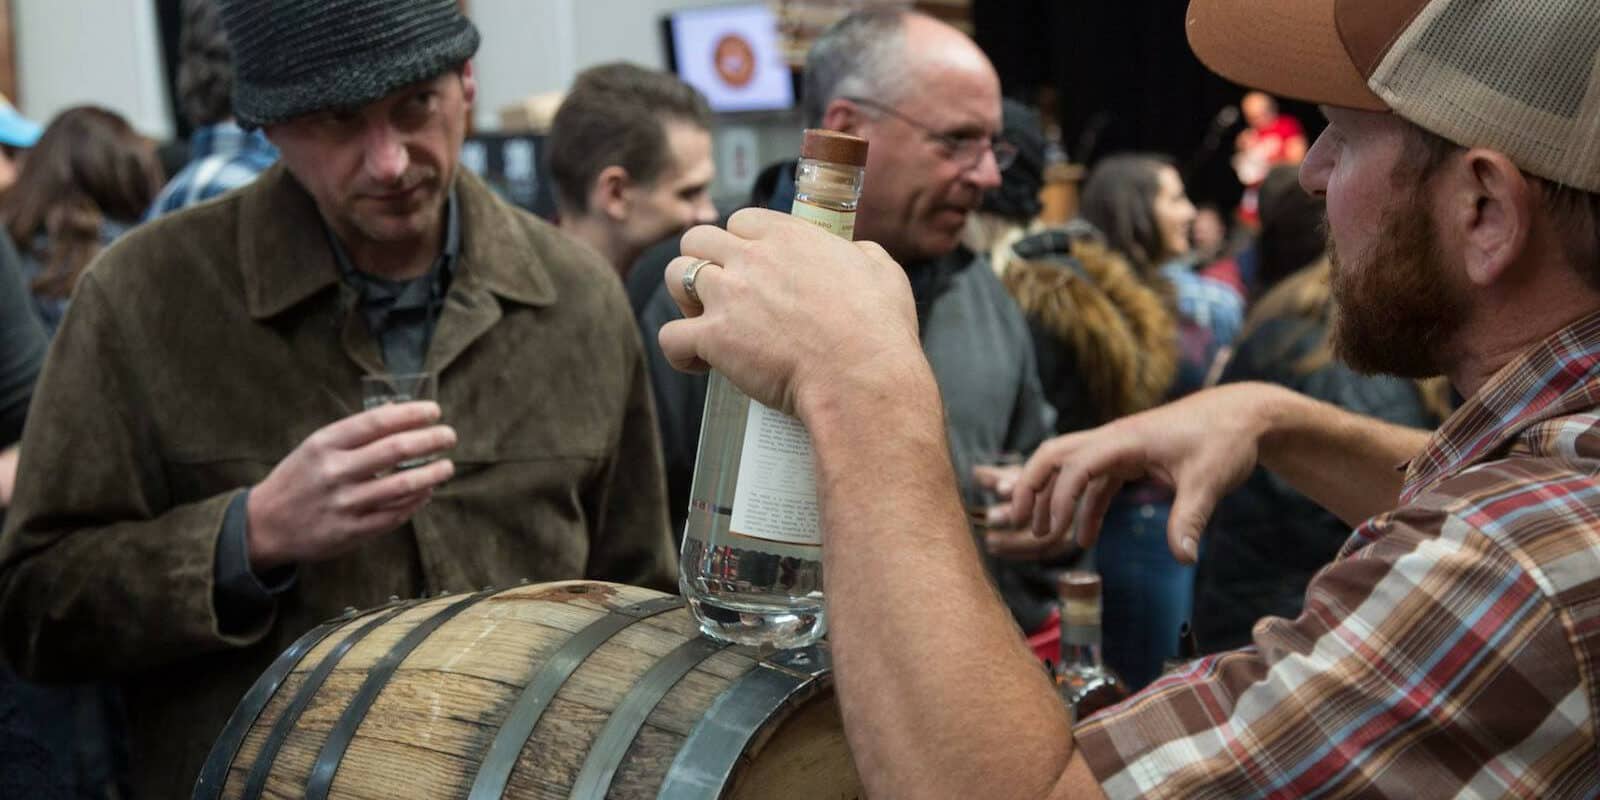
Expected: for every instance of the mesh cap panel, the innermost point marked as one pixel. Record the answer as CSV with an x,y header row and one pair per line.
x,y
1518,76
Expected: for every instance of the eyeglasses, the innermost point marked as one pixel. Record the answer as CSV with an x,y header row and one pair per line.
x,y
966,150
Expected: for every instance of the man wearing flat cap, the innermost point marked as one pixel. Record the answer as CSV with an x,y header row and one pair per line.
x,y
199,485
1452,648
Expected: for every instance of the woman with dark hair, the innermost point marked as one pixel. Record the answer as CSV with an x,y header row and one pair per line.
x,y
1137,201
89,178
1139,205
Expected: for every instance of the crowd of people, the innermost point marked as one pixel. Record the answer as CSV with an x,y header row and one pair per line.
x,y
1211,406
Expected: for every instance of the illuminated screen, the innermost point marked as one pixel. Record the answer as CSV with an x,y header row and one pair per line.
x,y
731,54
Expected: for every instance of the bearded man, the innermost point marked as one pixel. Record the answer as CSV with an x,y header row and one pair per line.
x,y
1450,649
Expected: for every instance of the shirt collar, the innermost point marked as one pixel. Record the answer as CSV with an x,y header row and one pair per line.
x,y
227,139
443,266
500,251
1558,377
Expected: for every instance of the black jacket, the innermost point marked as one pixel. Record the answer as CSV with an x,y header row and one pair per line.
x,y
1266,540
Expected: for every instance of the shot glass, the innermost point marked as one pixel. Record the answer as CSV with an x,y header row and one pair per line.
x,y
399,387
979,499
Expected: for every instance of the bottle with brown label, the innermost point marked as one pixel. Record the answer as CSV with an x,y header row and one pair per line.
x,y
1084,682
751,564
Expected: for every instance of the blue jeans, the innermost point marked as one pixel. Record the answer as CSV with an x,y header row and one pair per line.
x,y
1148,594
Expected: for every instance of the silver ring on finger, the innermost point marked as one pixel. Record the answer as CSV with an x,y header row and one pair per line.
x,y
689,278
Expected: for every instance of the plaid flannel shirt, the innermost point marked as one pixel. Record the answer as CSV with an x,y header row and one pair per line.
x,y
1451,649
1212,304
222,157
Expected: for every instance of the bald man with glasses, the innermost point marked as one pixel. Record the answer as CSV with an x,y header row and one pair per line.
x,y
967,147
927,100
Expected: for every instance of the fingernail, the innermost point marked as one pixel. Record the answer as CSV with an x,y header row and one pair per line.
x,y
1005,486
999,515
1190,548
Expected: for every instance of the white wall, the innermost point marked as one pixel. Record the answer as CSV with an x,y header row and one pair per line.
x,y
535,46
105,52
108,51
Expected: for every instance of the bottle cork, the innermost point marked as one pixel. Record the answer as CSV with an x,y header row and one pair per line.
x,y
1080,605
1079,585
834,147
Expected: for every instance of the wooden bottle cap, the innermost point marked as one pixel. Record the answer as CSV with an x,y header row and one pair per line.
x,y
833,146
1079,585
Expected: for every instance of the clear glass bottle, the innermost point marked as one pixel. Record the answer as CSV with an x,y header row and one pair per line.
x,y
751,564
1085,684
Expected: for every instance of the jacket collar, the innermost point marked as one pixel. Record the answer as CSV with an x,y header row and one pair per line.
x,y
285,262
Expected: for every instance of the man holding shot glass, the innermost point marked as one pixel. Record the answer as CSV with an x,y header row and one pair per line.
x,y
200,484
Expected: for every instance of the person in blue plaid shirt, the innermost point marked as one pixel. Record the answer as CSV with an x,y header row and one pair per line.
x,y
222,156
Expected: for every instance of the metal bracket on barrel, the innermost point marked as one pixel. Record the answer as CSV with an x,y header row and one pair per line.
x,y
705,763
494,774
214,774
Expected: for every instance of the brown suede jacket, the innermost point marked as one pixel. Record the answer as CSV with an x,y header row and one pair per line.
x,y
203,347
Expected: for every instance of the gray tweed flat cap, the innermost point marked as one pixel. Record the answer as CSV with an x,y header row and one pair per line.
x,y
292,57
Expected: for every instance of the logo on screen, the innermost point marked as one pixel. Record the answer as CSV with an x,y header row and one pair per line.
x,y
735,60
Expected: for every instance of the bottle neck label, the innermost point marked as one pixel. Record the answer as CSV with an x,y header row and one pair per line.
x,y
839,223
1080,621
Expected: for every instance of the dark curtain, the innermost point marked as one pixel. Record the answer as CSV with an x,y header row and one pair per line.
x,y
1125,80
169,21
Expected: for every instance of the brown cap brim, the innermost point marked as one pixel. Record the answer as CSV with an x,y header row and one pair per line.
x,y
1289,48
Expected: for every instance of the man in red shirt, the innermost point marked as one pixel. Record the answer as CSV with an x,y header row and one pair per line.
x,y
1271,139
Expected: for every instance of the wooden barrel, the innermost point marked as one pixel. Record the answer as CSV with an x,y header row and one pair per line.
x,y
575,689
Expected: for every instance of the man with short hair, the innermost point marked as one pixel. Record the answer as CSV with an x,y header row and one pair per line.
x,y
1450,649
630,154
199,486
222,155
927,101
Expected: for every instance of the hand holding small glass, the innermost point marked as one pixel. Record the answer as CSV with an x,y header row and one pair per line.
x,y
987,506
346,484
400,387
1004,536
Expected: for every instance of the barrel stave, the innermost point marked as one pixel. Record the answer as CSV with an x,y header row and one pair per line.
x,y
429,728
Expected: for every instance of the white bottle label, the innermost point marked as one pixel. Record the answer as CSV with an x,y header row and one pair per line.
x,y
839,223
776,496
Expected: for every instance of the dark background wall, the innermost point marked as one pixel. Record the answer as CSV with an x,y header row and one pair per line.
x,y
169,23
1125,80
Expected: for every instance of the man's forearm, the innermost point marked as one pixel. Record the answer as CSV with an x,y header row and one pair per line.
x,y
1348,463
931,668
